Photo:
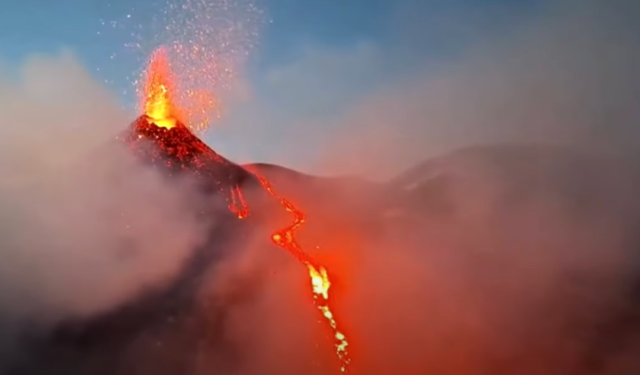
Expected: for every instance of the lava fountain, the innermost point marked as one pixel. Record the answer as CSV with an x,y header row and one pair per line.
x,y
176,146
157,103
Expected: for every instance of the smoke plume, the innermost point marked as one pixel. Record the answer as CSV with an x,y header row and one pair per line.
x,y
84,228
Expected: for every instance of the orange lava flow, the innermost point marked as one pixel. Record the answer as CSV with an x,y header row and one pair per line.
x,y
320,282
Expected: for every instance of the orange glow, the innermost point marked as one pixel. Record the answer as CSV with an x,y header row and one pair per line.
x,y
156,95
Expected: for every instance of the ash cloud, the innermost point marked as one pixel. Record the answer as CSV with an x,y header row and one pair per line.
x,y
84,228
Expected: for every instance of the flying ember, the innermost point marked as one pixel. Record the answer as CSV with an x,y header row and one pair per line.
x,y
162,120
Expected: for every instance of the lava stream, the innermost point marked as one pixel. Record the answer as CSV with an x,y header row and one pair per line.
x,y
320,282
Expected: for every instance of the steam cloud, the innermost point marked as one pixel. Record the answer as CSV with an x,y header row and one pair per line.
x,y
499,284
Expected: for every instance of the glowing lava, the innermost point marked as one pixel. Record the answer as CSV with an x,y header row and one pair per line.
x,y
162,124
320,282
157,102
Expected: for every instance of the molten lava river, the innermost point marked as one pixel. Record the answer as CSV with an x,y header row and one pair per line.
x,y
160,110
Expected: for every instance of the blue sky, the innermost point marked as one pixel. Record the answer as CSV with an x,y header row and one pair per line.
x,y
290,27
321,66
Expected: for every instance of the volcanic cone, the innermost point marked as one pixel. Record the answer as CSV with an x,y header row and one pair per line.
x,y
176,151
